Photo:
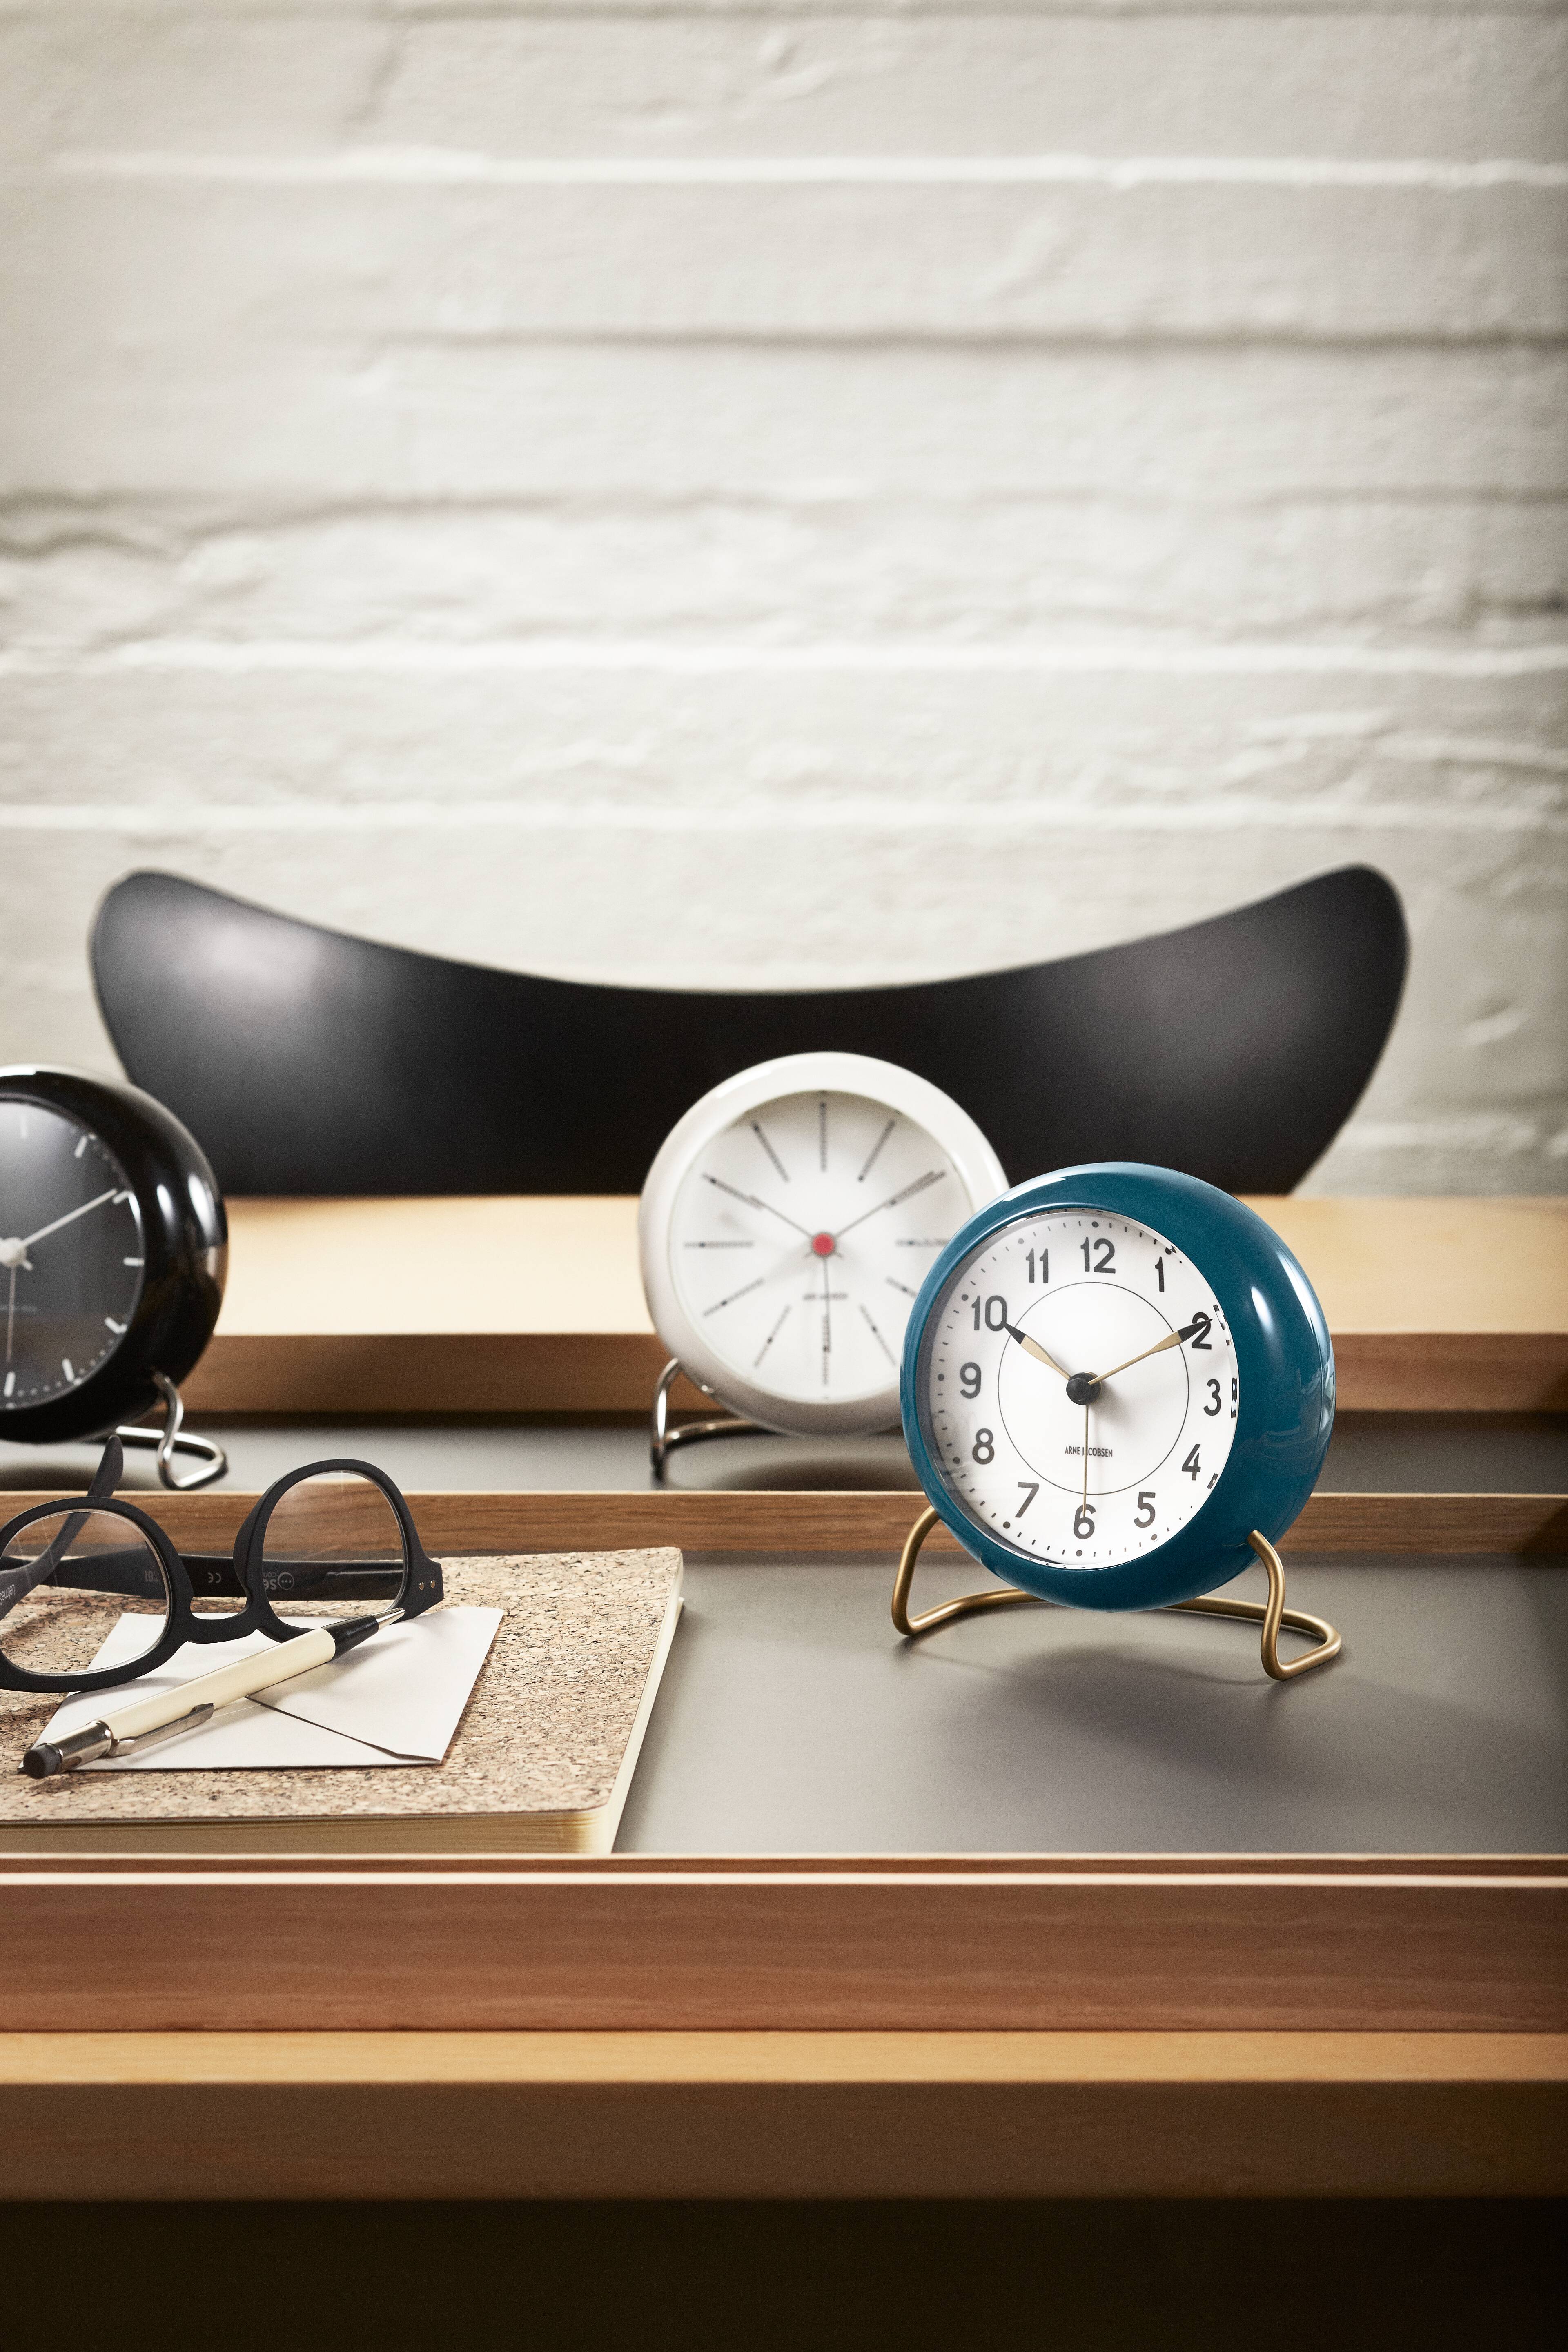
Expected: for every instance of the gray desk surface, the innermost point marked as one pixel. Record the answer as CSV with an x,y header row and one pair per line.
x,y
1371,1453
791,1720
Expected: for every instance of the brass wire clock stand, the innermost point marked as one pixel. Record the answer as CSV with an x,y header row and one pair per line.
x,y
1270,1616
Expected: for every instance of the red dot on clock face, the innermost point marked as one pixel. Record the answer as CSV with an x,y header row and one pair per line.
x,y
823,1244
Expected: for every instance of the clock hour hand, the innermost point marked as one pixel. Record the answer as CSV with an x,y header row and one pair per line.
x,y
1172,1339
1033,1347
750,1198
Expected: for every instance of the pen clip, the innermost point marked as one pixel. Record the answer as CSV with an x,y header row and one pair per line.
x,y
141,1740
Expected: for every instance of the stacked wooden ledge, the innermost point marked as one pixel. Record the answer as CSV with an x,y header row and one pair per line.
x,y
1435,1305
444,2114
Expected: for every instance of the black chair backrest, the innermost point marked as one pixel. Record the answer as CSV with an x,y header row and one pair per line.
x,y
309,1062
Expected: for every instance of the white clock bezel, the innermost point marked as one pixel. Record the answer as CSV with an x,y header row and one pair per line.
x,y
975,1162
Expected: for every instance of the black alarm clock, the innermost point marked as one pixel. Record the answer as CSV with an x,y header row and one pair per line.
x,y
113,1250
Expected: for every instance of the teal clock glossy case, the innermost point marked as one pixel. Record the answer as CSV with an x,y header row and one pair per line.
x,y
1112,1377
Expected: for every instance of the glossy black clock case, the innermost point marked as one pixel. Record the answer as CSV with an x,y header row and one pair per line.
x,y
185,1241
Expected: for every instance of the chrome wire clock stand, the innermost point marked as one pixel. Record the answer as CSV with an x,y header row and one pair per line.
x,y
662,1440
174,1439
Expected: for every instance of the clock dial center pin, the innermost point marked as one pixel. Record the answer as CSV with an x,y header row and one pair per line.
x,y
823,1245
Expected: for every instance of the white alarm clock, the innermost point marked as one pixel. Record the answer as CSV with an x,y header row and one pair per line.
x,y
786,1226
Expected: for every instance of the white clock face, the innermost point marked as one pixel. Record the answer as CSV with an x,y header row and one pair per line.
x,y
800,1237
1104,1450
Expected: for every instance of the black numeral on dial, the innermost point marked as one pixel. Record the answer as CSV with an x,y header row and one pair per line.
x,y
1144,1514
995,1314
1191,1465
1029,1493
1201,1337
984,1447
1213,1390
1045,1257
1083,1522
969,1378
1104,1260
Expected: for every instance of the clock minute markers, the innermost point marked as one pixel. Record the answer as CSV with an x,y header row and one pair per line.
x,y
745,1289
874,1153
756,1126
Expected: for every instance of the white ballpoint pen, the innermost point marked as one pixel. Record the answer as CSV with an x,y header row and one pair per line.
x,y
148,1721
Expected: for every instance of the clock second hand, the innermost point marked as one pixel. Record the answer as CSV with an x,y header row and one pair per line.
x,y
11,1315
1086,1457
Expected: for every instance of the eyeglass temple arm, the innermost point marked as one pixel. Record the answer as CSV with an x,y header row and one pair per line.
x,y
124,1572
109,1471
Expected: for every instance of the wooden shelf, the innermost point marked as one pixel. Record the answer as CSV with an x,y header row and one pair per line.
x,y
782,2115
533,1305
808,1520
1154,1943
720,2024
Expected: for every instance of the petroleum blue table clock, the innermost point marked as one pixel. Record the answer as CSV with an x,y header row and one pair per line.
x,y
1117,1389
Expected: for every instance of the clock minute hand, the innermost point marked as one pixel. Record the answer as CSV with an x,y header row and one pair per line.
x,y
1172,1339
70,1218
932,1176
1033,1347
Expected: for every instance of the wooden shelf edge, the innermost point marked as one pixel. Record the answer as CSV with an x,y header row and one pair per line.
x,y
488,1947
715,2115
236,2061
867,1522
568,1371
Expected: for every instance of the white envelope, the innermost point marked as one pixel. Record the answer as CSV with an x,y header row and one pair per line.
x,y
397,1699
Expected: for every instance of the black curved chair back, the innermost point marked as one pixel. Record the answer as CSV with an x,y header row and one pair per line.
x,y
309,1062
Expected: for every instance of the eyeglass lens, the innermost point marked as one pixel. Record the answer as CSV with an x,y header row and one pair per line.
x,y
333,1543
78,1590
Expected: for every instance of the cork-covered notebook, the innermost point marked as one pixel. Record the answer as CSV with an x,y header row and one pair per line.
x,y
541,1763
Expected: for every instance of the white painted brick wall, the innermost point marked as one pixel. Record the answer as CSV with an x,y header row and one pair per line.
x,y
775,493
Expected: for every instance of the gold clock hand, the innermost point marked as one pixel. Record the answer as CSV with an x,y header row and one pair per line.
x,y
1086,1457
1173,1339
1033,1347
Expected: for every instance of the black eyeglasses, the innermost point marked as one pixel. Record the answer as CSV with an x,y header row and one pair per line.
x,y
75,1577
